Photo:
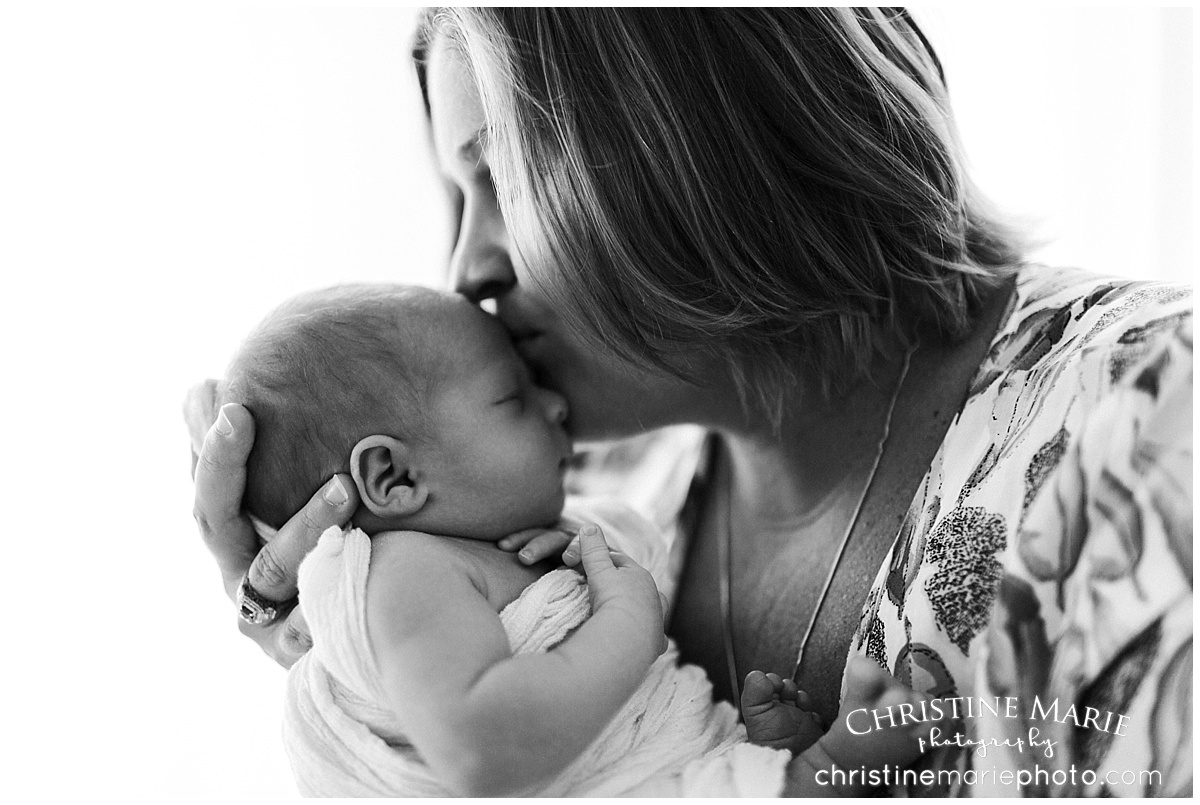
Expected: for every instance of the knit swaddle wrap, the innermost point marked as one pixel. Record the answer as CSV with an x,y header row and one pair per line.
x,y
669,739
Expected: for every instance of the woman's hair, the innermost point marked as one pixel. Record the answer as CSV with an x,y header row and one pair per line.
x,y
322,371
783,188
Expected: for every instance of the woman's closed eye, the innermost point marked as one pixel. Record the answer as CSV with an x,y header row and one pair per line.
x,y
485,187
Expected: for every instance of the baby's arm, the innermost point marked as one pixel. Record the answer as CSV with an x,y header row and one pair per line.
x,y
488,722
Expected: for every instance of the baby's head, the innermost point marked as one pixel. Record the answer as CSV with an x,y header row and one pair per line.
x,y
418,395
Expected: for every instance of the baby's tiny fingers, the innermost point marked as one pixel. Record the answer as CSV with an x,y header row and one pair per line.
x,y
572,553
538,544
518,540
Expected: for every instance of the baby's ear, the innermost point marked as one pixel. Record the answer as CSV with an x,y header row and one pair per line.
x,y
386,481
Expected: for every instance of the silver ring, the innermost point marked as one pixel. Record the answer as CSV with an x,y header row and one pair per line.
x,y
253,607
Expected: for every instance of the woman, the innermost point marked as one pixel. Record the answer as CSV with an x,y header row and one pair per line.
x,y
915,447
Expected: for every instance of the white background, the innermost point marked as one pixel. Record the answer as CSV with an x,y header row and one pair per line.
x,y
167,177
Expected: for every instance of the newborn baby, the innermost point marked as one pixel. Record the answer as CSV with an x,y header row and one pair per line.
x,y
441,664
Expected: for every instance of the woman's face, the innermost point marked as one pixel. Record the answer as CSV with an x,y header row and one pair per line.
x,y
608,397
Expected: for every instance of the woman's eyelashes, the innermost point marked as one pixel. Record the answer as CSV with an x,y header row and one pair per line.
x,y
486,186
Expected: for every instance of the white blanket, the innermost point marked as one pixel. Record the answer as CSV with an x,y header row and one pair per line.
x,y
669,739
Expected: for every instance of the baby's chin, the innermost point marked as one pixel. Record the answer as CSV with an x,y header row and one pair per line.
x,y
545,516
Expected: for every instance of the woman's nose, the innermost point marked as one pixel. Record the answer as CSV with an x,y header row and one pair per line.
x,y
481,267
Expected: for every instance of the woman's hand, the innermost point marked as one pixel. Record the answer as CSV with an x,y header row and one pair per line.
x,y
219,469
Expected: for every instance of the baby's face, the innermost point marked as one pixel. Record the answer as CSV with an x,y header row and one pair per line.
x,y
498,443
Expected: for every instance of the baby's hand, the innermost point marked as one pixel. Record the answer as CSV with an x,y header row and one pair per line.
x,y
621,587
535,544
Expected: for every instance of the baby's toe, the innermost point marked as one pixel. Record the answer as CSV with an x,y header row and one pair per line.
x,y
757,689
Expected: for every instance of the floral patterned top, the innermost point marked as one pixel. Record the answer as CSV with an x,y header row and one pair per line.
x,y
1042,578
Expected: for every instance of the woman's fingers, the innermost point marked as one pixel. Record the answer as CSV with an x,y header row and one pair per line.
x,y
295,639
273,571
220,476
199,413
284,641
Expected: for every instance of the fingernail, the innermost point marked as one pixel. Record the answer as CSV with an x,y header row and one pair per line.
x,y
589,529
223,426
335,493
570,555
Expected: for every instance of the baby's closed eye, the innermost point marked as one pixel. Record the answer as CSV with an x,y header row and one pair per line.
x,y
514,396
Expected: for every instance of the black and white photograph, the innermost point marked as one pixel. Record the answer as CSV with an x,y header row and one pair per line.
x,y
598,401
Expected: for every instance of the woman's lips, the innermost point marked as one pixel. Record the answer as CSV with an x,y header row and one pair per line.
x,y
518,328
529,345
535,348
519,337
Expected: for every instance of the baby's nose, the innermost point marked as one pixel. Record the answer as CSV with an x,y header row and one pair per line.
x,y
556,406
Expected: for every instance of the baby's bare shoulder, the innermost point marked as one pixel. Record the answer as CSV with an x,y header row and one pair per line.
x,y
419,559
413,553
412,576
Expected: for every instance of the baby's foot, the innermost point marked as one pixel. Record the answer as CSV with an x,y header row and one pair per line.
x,y
888,725
778,714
